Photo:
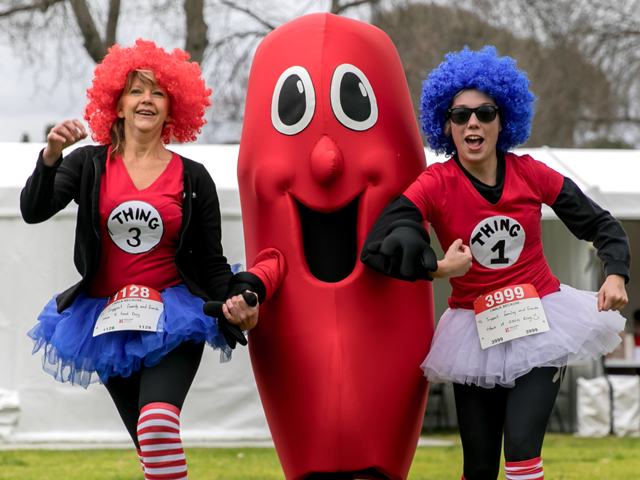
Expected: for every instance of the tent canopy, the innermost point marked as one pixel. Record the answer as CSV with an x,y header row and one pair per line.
x,y
609,177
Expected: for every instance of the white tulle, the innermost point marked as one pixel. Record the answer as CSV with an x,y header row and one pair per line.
x,y
577,331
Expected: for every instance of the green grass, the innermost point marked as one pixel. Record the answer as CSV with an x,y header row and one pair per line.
x,y
565,458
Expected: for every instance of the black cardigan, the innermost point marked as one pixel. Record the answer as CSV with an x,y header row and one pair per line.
x,y
199,258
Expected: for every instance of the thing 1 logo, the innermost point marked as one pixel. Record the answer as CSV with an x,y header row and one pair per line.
x,y
497,242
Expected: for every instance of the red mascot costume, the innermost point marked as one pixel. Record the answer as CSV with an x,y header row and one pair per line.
x,y
329,138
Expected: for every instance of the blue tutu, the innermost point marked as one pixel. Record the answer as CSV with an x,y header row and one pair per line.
x,y
73,354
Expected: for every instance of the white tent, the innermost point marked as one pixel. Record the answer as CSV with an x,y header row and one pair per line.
x,y
223,403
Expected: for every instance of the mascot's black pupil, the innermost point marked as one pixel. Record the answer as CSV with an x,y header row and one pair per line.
x,y
292,102
353,98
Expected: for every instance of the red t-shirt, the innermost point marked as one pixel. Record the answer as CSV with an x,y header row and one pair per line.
x,y
139,228
504,238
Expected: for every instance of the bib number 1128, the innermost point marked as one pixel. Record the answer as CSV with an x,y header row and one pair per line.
x,y
135,307
132,291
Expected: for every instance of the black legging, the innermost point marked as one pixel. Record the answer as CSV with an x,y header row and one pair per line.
x,y
521,412
167,382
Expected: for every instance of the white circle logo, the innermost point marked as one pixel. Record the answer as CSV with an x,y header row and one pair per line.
x,y
135,227
497,242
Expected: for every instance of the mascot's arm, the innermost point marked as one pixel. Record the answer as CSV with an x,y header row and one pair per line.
x,y
269,269
398,244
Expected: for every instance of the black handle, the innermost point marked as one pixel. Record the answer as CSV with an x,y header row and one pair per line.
x,y
251,298
231,332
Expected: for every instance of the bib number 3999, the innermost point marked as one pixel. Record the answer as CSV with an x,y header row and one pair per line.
x,y
507,295
508,313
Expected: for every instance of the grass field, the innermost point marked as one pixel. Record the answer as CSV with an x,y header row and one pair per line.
x,y
565,458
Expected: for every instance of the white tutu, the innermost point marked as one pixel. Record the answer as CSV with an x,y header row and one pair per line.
x,y
577,331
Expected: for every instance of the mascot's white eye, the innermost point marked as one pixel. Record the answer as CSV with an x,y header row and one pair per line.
x,y
293,102
352,98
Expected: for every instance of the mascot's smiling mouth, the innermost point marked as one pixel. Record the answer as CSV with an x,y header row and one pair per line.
x,y
329,240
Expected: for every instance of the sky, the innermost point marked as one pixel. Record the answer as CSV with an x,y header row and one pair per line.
x,y
26,107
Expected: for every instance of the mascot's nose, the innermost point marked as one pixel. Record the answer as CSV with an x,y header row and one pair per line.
x,y
326,162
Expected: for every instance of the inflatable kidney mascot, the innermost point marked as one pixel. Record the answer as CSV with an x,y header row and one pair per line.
x,y
329,138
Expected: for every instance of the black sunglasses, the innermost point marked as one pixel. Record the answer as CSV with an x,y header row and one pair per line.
x,y
461,115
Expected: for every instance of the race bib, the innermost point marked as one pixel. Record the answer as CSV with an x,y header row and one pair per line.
x,y
135,307
507,313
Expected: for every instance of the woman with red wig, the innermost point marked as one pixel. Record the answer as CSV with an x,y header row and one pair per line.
x,y
148,248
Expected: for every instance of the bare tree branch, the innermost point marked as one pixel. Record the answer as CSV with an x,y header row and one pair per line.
x,y
248,12
336,8
614,119
92,41
196,42
237,36
112,22
42,5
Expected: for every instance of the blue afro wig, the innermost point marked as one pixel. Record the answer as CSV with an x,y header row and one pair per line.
x,y
484,71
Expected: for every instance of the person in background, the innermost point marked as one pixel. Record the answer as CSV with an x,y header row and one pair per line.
x,y
148,227
484,204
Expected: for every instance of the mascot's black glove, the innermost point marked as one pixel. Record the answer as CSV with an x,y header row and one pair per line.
x,y
407,245
238,285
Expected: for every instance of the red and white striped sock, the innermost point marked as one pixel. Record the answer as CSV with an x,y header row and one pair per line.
x,y
159,440
140,457
525,470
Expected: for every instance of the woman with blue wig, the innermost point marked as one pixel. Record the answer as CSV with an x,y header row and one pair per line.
x,y
511,328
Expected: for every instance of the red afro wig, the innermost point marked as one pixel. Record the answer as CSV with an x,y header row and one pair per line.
x,y
181,78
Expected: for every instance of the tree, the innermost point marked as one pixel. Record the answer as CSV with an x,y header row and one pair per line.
x,y
606,34
221,35
241,25
559,42
87,17
423,34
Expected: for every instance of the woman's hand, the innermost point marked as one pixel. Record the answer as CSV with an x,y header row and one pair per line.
x,y
612,294
456,261
61,136
239,313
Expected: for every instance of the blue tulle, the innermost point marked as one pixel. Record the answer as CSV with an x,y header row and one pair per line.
x,y
73,354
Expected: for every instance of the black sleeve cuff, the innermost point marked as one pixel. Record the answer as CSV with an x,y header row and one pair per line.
x,y
243,281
